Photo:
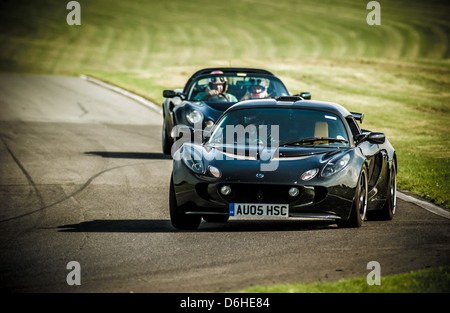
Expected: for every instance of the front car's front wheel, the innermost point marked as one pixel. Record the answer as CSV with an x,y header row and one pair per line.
x,y
359,207
179,219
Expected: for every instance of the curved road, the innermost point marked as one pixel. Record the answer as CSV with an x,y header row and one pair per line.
x,y
82,178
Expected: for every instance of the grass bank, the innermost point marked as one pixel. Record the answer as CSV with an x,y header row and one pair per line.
x,y
431,280
396,73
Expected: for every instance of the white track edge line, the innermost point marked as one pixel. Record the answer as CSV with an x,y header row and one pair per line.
x,y
424,205
124,92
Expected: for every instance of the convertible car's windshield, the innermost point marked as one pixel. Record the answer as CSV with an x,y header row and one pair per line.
x,y
232,88
280,127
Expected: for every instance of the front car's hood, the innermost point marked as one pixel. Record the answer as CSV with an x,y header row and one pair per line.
x,y
276,164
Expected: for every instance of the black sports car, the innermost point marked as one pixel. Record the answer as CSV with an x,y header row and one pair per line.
x,y
284,157
209,92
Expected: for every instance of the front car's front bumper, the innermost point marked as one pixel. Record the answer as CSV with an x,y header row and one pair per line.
x,y
328,199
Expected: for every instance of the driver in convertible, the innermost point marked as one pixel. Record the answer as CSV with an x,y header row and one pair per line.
x,y
216,91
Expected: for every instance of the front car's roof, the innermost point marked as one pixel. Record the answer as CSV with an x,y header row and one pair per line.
x,y
292,102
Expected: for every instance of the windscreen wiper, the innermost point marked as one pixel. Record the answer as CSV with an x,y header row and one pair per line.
x,y
299,141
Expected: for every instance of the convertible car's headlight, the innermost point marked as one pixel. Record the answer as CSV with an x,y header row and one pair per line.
x,y
192,158
335,165
308,175
194,117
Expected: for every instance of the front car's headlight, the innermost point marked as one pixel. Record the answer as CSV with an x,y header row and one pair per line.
x,y
336,165
192,158
194,117
214,171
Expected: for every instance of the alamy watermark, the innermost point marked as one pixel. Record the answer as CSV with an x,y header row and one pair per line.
x,y
374,276
74,16
258,142
374,16
74,276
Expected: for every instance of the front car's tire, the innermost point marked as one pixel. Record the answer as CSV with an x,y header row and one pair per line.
x,y
216,218
179,219
359,207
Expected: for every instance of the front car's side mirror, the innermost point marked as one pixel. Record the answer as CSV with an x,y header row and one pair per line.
x,y
376,138
372,137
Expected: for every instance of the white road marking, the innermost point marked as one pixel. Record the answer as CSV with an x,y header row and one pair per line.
x,y
424,205
124,92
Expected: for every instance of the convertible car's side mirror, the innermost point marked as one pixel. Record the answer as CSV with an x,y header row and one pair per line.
x,y
169,93
173,94
372,137
305,95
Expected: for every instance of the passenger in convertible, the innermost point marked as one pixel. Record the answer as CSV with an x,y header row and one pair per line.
x,y
257,89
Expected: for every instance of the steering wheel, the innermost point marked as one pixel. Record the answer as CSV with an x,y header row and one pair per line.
x,y
220,97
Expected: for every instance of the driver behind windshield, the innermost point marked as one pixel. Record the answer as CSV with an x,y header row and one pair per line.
x,y
216,90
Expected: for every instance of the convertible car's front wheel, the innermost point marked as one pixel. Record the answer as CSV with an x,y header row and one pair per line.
x,y
359,208
166,144
178,218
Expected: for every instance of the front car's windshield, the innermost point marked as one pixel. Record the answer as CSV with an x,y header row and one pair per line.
x,y
279,127
236,87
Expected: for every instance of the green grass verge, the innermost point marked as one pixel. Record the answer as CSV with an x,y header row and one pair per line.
x,y
432,280
397,73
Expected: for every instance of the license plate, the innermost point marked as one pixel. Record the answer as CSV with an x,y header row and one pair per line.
x,y
258,210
